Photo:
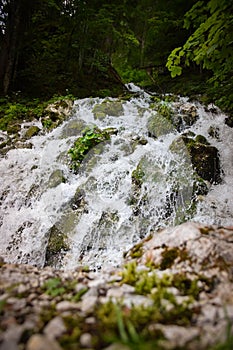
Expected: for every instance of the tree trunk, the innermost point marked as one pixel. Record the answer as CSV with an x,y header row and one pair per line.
x,y
8,55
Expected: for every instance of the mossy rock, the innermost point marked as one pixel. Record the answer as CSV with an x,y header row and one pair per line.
x,y
32,131
73,128
229,121
56,178
90,139
57,246
204,157
111,108
159,125
78,201
13,128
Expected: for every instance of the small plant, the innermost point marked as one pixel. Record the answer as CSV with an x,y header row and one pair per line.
x,y
165,110
90,138
53,287
137,176
78,296
126,329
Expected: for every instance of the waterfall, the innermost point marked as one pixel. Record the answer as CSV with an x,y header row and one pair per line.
x,y
138,181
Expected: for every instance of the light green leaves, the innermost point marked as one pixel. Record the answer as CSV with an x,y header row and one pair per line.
x,y
210,45
174,62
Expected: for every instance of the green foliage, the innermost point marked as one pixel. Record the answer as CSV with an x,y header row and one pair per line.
x,y
138,175
209,46
78,296
53,287
11,112
126,330
147,282
17,109
164,109
91,137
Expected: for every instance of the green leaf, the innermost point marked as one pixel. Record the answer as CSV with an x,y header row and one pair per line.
x,y
176,71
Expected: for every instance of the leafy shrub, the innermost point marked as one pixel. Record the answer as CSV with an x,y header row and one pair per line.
x,y
91,137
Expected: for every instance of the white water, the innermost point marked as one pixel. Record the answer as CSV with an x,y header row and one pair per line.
x,y
107,223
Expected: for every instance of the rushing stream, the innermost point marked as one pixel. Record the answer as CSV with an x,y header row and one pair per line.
x,y
136,182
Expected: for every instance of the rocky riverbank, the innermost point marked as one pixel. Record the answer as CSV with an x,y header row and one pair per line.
x,y
174,290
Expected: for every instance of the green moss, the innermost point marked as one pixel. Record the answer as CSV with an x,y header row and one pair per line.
x,y
19,109
129,274
47,314
185,285
137,251
70,340
137,176
169,255
107,107
78,296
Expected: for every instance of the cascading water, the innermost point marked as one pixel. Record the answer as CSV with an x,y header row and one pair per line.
x,y
139,180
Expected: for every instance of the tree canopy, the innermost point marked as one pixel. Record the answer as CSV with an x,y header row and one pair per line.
x,y
210,44
93,47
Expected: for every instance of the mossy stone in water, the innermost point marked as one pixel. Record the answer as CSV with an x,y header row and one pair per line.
x,y
112,108
32,131
56,178
203,156
56,247
159,125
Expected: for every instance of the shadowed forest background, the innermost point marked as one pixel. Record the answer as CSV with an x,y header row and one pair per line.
x,y
90,48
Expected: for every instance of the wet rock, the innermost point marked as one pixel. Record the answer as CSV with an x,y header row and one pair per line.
x,y
204,157
78,201
14,128
73,128
4,139
158,125
32,131
213,131
187,116
56,113
56,178
229,121
206,161
60,108
56,247
111,108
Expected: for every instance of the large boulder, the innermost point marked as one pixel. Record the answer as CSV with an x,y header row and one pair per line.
x,y
203,156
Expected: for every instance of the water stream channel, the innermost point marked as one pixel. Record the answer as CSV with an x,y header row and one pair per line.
x,y
140,180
